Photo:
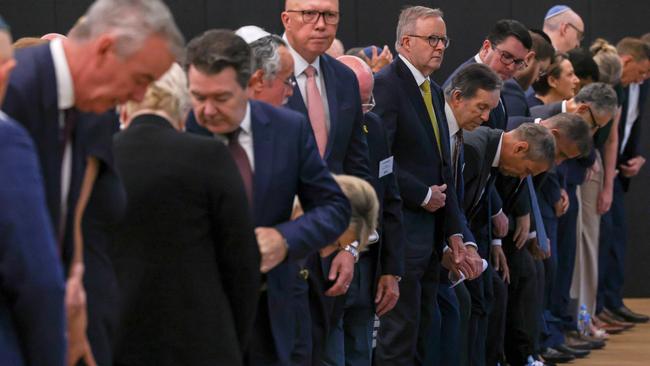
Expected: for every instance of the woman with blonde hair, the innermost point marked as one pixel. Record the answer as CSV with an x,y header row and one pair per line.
x,y
609,64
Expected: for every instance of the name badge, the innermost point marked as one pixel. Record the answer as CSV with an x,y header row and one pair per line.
x,y
385,167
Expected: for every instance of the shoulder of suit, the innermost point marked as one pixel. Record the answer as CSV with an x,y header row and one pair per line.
x,y
11,131
274,114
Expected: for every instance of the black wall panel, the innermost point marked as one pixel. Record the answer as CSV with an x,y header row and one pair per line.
x,y
366,22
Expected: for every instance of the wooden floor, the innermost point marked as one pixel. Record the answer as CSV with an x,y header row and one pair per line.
x,y
625,349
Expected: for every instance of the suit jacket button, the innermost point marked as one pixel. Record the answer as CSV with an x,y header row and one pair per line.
x,y
304,274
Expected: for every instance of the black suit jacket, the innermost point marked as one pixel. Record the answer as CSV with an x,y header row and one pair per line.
x,y
185,254
632,148
478,173
418,161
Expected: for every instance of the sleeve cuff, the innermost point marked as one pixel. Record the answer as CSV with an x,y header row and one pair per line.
x,y
532,235
427,198
498,213
496,242
472,244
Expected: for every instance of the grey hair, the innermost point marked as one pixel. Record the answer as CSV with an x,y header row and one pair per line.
x,y
609,64
364,205
265,55
471,78
541,144
600,96
573,128
407,19
131,22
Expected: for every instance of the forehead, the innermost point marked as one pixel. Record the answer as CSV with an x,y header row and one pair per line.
x,y
514,47
566,66
430,26
331,5
207,84
484,96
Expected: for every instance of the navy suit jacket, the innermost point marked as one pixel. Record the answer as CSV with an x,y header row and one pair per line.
x,y
32,100
32,322
418,161
287,163
514,98
347,149
390,249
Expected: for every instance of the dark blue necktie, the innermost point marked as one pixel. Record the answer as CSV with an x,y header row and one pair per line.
x,y
537,216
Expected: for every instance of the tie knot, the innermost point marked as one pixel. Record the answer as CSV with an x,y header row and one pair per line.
x,y
426,86
232,136
310,71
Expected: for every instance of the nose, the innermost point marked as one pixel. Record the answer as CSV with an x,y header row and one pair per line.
x,y
209,109
320,22
485,115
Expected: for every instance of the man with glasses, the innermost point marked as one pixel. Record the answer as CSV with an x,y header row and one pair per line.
x,y
565,28
272,78
411,108
328,94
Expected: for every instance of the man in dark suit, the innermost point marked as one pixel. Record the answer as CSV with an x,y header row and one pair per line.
x,y
411,107
636,63
514,90
328,94
375,288
57,78
31,297
277,159
469,98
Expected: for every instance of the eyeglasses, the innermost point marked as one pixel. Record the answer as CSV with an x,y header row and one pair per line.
x,y
367,107
312,16
290,82
581,34
594,124
508,59
433,40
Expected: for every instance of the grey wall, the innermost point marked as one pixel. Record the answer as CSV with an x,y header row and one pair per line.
x,y
366,22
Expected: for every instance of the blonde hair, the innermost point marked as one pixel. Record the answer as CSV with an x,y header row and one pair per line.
x,y
609,64
364,205
169,94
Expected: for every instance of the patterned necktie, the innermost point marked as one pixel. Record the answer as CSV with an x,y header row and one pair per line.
x,y
243,164
426,91
316,110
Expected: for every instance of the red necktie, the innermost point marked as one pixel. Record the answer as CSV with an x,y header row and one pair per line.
x,y
243,164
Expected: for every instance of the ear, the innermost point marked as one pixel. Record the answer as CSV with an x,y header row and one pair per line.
x,y
625,60
485,48
521,147
104,46
405,43
286,19
456,97
582,108
552,81
530,57
256,82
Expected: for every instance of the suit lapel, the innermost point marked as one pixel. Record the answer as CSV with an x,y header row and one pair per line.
x,y
415,97
332,101
263,154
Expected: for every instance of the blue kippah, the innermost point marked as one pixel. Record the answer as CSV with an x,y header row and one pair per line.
x,y
3,24
556,10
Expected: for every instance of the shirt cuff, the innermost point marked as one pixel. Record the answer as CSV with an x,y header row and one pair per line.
x,y
532,235
496,242
471,243
427,198
498,213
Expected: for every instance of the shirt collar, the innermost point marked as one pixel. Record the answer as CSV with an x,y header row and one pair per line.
x,y
64,85
497,157
564,106
299,63
477,58
419,77
451,120
246,122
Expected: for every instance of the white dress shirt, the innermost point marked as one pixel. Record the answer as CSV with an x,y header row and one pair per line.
x,y
65,99
452,123
632,114
299,66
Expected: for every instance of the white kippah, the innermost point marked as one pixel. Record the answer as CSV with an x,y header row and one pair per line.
x,y
251,33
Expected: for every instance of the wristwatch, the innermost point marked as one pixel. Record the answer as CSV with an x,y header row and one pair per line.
x,y
353,248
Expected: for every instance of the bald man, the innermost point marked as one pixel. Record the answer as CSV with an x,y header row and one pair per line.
x,y
565,28
337,49
31,291
375,287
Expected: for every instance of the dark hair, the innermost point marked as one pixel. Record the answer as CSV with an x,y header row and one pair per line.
x,y
505,28
471,78
215,50
542,45
575,129
583,64
542,86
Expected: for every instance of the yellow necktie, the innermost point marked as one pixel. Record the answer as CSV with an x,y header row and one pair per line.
x,y
426,90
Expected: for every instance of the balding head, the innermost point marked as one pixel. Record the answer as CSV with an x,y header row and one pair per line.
x,y
565,28
363,73
337,49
